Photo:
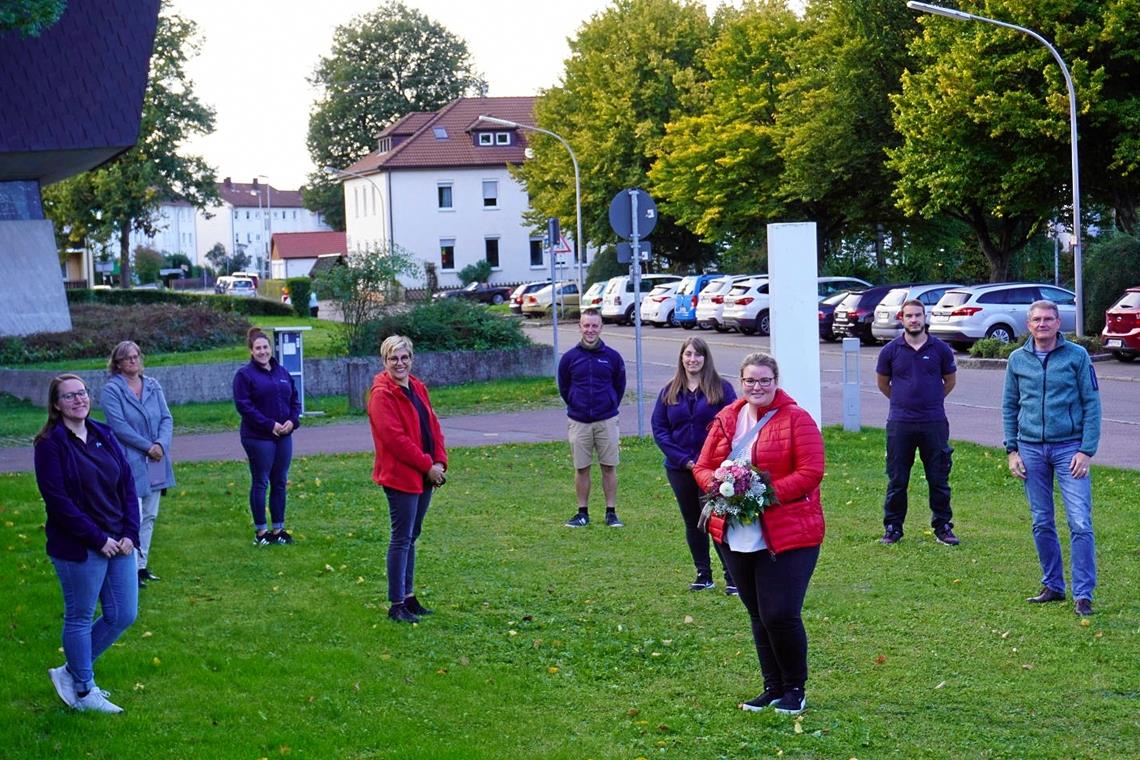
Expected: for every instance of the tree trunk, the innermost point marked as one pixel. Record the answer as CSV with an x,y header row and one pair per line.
x,y
125,256
1124,206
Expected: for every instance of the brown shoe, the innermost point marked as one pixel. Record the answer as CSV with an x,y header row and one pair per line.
x,y
1047,595
1083,607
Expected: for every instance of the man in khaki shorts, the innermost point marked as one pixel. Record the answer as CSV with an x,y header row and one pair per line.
x,y
591,380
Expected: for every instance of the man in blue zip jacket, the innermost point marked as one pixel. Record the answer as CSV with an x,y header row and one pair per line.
x,y
1051,415
591,380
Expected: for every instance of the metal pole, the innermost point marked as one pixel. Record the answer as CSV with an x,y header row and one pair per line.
x,y
1078,274
635,269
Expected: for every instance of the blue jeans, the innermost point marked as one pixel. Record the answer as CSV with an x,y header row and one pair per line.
x,y
113,582
268,466
407,511
1042,462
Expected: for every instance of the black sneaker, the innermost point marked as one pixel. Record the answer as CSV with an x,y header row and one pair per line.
x,y
415,607
142,578
401,614
580,520
891,536
944,535
147,575
612,520
731,590
792,703
263,539
762,702
280,537
702,583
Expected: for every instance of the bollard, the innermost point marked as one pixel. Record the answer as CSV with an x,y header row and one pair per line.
x,y
851,384
359,378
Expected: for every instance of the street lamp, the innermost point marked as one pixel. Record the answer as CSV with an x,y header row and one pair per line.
x,y
1078,277
269,238
578,247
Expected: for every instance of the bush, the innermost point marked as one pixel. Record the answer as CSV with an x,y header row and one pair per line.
x,y
299,289
1113,264
255,307
992,348
480,271
98,328
450,324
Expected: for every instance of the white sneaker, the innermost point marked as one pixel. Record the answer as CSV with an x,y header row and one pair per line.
x,y
64,684
96,702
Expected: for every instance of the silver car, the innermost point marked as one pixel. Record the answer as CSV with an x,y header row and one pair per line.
x,y
887,324
964,316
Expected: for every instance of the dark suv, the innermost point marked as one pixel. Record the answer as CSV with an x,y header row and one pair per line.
x,y
856,312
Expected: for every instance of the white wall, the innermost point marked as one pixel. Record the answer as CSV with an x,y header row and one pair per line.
x,y
366,212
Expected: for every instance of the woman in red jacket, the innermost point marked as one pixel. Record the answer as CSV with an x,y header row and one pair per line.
x,y
410,462
772,560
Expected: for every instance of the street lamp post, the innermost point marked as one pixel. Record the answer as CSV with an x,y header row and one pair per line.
x,y
269,222
578,245
1078,276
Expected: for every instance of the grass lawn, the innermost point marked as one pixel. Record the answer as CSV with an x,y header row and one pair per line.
x,y
557,643
20,420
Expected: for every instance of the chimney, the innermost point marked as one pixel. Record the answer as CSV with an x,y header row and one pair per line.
x,y
227,184
255,183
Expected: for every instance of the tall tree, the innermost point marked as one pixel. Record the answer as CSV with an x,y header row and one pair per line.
x,y
623,82
382,65
125,194
30,17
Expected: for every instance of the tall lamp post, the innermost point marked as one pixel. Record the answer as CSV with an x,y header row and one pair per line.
x,y
1078,276
578,247
269,222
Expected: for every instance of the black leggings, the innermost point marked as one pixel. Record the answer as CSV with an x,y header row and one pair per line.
x,y
773,589
689,500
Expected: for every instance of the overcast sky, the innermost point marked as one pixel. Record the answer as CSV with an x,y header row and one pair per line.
x,y
257,54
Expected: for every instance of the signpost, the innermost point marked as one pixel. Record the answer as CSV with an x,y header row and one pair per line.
x,y
633,215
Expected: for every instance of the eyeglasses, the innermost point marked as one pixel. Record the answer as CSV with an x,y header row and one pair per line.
x,y
763,382
399,359
73,395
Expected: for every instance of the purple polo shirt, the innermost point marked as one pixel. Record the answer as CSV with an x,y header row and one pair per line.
x,y
916,378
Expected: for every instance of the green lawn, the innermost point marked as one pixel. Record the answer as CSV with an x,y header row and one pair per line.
x,y
553,643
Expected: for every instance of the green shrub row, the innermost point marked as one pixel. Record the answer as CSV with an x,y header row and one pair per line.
x,y
98,328
449,324
254,307
992,348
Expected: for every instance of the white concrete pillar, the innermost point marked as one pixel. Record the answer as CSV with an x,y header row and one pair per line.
x,y
794,300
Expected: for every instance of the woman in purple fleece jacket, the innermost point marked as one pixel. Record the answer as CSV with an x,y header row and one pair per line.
x,y
684,409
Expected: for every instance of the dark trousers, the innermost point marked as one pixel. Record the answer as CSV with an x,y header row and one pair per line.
x,y
406,511
268,469
932,439
689,500
773,589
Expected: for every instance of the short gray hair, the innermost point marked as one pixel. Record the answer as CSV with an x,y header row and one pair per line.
x,y
394,343
1044,303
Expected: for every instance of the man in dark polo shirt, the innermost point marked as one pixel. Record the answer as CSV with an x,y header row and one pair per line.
x,y
916,372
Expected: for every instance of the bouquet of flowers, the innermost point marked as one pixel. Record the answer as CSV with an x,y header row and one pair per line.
x,y
740,493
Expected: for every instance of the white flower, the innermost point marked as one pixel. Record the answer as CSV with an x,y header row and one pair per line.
x,y
726,464
726,489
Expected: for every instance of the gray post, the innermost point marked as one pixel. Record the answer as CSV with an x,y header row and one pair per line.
x,y
635,270
851,384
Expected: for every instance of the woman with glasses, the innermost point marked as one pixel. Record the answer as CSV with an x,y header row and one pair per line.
x,y
136,410
270,410
772,559
92,530
410,462
684,409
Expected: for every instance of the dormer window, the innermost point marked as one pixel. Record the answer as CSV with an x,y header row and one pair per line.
x,y
502,138
439,132
486,138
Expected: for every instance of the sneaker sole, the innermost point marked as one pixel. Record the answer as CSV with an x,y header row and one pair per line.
x,y
752,708
786,711
947,543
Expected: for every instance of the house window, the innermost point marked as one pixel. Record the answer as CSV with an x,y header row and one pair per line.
x,y
294,214
486,138
536,252
491,246
439,132
235,214
443,193
490,193
447,253
247,215
502,138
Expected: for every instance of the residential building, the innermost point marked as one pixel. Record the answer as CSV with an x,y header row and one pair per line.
x,y
295,253
439,186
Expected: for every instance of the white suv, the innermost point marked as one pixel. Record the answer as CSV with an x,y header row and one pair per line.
x,y
710,302
618,301
746,307
659,307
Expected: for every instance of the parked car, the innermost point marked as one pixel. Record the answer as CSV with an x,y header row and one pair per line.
x,y
688,294
222,283
710,302
242,287
854,314
250,276
516,299
1121,333
829,286
746,307
827,315
964,316
538,303
659,306
478,291
887,324
592,298
618,298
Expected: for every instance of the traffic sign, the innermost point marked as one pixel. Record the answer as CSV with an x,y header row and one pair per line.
x,y
621,213
563,245
625,251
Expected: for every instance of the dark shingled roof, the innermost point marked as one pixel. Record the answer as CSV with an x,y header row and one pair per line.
x,y
71,99
254,195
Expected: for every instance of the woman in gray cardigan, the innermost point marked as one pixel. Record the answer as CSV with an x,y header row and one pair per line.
x,y
137,412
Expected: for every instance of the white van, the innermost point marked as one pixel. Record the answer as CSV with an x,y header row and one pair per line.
x,y
617,299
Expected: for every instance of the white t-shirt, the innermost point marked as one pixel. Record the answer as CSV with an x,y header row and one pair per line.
x,y
745,538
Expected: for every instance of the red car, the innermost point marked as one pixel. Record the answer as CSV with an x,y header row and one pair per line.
x,y
1121,333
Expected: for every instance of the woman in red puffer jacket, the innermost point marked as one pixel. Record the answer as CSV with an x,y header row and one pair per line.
x,y
772,560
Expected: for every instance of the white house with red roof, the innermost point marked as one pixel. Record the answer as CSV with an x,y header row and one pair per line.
x,y
295,253
439,186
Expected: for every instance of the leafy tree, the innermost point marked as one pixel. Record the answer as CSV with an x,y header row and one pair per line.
x,y
218,259
605,266
299,289
1112,265
125,194
382,66
480,271
240,260
147,263
177,260
30,17
628,69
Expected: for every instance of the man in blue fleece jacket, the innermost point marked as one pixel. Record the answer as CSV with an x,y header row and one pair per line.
x,y
1051,415
591,380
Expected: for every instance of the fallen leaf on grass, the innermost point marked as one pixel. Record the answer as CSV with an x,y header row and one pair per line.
x,y
663,728
632,712
1085,622
880,659
156,662
798,727
552,670
688,619
1027,666
512,633
147,634
441,672
139,686
940,684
